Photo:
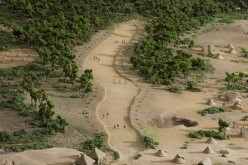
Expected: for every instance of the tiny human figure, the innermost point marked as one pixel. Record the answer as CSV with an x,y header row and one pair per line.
x,y
117,125
98,59
124,126
234,124
103,115
114,126
107,114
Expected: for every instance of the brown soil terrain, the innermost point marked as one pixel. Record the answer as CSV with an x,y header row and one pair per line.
x,y
16,57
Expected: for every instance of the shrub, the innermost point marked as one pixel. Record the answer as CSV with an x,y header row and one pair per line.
x,y
210,133
137,156
224,153
4,136
96,141
212,110
116,155
150,143
191,87
175,89
245,118
23,140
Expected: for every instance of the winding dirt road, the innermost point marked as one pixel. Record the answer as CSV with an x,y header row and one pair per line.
x,y
113,111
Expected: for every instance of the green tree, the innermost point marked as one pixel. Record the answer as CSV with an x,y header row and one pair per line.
x,y
222,126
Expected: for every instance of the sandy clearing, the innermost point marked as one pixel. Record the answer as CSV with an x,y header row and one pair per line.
x,y
119,96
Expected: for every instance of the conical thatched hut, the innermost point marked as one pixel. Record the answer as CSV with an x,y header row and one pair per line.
x,y
233,97
219,57
84,160
160,121
230,46
211,102
179,159
98,156
237,106
206,161
208,150
233,51
243,133
211,141
161,153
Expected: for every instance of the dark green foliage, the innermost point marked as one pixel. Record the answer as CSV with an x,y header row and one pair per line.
x,y
137,156
224,153
23,140
96,141
4,137
191,87
85,84
7,41
149,142
170,19
210,133
245,51
116,155
234,81
212,110
222,126
175,89
16,100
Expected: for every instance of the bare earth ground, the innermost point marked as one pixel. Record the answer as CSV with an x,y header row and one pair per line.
x,y
135,104
16,57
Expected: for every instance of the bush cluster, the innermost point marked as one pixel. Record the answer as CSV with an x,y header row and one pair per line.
x,y
210,133
212,110
150,142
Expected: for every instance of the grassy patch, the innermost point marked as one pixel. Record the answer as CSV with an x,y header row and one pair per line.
x,y
175,89
210,133
23,140
213,110
191,86
96,141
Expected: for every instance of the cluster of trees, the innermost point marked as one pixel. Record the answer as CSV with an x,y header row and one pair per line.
x,y
154,57
44,117
54,27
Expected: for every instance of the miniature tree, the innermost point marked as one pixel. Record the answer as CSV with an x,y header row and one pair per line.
x,y
222,126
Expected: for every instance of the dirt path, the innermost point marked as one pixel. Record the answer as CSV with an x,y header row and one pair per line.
x,y
119,91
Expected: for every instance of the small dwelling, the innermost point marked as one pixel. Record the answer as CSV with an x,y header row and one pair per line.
x,y
98,156
84,160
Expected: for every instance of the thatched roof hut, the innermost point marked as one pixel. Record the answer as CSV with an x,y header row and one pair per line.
x,y
161,153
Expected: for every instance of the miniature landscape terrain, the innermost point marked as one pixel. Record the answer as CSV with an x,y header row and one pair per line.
x,y
133,83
